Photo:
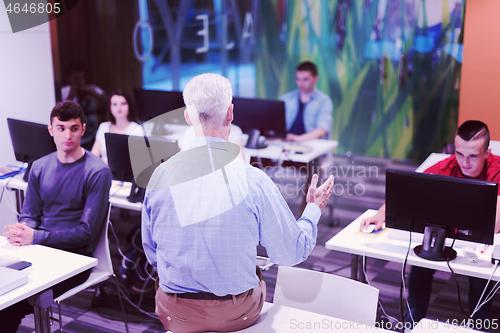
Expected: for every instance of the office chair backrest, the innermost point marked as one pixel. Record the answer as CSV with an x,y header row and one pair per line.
x,y
495,147
101,252
326,294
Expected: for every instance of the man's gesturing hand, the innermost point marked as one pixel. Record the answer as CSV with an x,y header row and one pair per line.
x,y
319,195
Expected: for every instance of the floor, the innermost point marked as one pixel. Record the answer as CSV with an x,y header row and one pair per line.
x,y
359,186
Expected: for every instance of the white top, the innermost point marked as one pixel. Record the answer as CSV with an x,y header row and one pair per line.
x,y
104,128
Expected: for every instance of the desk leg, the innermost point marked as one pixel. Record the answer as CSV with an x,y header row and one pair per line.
x,y
357,269
362,277
41,303
354,267
19,199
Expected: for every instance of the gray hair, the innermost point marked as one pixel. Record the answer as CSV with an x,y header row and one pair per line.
x,y
207,98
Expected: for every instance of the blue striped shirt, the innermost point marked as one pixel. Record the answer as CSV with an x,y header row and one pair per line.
x,y
318,111
201,228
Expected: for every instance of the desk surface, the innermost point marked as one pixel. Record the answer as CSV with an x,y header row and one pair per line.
x,y
275,151
16,182
49,267
350,241
283,319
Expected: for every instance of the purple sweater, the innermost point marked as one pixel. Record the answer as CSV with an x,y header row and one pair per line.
x,y
67,203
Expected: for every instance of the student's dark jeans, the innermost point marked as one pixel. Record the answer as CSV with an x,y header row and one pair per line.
x,y
420,288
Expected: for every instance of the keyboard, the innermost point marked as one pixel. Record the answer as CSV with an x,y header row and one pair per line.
x,y
6,260
297,148
416,237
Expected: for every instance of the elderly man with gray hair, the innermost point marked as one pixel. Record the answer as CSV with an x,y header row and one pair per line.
x,y
204,213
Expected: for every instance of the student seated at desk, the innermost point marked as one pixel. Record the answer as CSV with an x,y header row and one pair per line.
x,y
472,159
308,111
201,226
122,116
66,202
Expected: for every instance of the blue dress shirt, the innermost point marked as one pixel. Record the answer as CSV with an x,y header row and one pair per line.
x,y
201,229
318,111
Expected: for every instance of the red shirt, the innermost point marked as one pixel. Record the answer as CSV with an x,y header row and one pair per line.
x,y
450,167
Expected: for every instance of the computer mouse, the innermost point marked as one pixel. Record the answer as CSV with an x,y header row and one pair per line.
x,y
368,229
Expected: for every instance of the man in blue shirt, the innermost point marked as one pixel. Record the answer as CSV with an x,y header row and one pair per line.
x,y
204,213
308,110
66,202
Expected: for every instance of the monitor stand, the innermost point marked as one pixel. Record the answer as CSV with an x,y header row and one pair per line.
x,y
253,140
27,171
136,193
433,246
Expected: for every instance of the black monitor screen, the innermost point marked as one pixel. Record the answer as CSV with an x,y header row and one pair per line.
x,y
119,157
30,141
153,103
145,155
268,116
465,208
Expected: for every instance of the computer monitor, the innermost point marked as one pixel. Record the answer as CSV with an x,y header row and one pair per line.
x,y
30,141
260,117
134,158
153,103
439,207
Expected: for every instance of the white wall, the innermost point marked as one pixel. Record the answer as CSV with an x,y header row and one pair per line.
x,y
26,85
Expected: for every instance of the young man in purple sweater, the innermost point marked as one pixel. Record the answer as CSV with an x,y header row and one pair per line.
x,y
66,202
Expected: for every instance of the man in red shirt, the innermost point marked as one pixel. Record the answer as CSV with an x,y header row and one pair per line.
x,y
472,159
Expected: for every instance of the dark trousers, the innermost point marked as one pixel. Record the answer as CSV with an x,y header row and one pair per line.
x,y
10,318
420,288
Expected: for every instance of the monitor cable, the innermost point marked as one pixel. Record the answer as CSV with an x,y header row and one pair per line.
x,y
368,282
124,257
456,280
118,189
490,295
16,213
149,277
402,289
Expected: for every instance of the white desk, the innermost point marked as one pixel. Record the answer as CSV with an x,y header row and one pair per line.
x,y
350,241
118,196
18,185
275,151
49,267
283,319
